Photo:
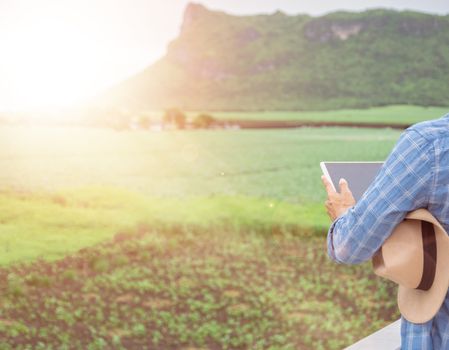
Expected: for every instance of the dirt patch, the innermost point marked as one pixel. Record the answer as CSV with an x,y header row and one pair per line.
x,y
286,124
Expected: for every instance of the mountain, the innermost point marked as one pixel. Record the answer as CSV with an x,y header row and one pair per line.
x,y
283,62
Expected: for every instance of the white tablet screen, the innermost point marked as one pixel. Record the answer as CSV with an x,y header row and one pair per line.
x,y
358,174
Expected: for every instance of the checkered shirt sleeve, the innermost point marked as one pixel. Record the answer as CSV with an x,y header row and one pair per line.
x,y
403,184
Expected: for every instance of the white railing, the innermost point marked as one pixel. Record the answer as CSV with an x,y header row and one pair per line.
x,y
388,338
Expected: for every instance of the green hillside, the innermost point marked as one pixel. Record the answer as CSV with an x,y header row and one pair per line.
x,y
281,62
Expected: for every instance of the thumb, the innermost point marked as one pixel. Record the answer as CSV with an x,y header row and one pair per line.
x,y
343,186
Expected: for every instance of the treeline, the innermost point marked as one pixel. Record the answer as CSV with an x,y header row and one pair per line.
x,y
172,118
178,119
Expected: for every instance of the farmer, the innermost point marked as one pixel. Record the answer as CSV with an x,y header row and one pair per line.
x,y
415,175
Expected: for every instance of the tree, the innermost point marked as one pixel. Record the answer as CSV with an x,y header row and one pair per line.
x,y
203,121
174,116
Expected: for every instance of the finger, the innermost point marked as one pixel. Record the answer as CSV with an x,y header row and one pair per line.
x,y
329,188
344,187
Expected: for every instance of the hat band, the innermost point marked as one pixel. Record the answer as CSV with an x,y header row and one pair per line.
x,y
430,255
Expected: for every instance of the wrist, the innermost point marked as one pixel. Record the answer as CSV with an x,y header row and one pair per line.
x,y
343,211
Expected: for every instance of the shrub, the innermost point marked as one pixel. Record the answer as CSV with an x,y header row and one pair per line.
x,y
37,280
15,286
174,116
203,121
99,264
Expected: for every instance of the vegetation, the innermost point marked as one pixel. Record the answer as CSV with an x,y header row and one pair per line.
x,y
203,121
48,226
281,62
405,115
192,289
200,239
144,119
65,189
174,116
278,164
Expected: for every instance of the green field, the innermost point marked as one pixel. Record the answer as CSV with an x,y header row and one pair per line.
x,y
281,164
401,114
52,225
253,180
161,238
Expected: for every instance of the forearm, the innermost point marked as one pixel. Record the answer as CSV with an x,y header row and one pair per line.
x,y
348,237
402,185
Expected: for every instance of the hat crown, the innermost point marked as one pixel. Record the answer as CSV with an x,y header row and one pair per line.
x,y
400,261
401,258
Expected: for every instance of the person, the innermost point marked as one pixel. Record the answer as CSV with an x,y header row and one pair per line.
x,y
415,175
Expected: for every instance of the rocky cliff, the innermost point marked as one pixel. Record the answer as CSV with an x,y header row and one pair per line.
x,y
282,62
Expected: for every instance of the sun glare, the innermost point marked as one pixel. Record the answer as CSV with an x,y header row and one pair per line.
x,y
57,53
55,63
53,66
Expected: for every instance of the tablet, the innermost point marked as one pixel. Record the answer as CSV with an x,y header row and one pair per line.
x,y
359,175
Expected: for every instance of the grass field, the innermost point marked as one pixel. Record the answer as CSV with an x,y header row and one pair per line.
x,y
52,225
178,240
248,180
280,164
401,114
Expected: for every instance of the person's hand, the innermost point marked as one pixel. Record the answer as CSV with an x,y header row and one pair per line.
x,y
337,203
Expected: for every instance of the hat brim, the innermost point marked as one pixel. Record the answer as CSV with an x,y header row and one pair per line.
x,y
418,306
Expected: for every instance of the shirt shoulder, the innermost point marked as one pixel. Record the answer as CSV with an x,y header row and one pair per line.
x,y
432,130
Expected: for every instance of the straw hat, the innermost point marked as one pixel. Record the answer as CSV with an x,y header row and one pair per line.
x,y
416,257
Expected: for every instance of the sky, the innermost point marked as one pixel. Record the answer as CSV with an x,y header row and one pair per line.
x,y
57,52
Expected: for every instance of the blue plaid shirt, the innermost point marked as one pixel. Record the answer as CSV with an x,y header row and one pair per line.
x,y
415,175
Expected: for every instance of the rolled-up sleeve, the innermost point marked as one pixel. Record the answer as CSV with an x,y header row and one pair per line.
x,y
403,184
